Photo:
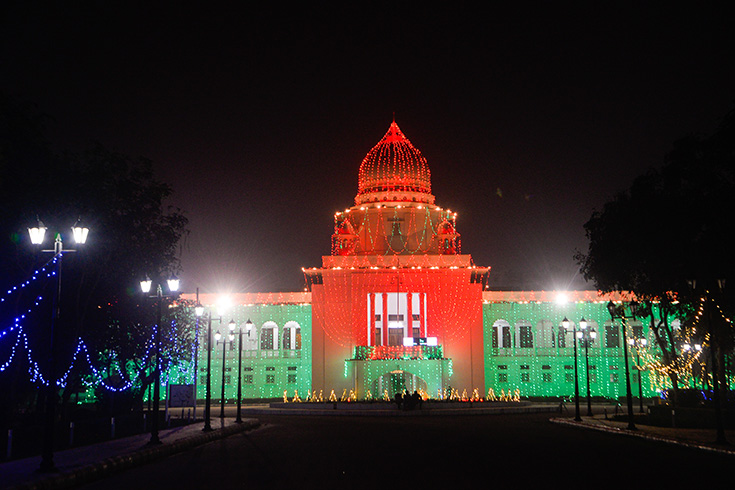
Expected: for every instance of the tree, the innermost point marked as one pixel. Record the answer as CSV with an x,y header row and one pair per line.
x,y
133,234
670,229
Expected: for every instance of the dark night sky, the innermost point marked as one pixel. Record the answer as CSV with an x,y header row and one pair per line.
x,y
530,118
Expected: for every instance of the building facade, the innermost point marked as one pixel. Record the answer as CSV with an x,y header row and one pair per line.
x,y
397,306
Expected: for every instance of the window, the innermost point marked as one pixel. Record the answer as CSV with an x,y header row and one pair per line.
x,y
526,336
269,336
612,336
270,379
525,377
291,379
561,337
228,379
547,377
247,379
501,334
637,330
502,377
292,336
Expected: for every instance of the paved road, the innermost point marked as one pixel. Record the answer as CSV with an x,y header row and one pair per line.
x,y
402,452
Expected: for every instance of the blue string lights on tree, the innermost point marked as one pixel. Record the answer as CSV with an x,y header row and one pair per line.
x,y
15,337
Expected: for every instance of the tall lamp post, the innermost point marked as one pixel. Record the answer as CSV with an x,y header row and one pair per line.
x,y
588,335
224,341
145,287
199,310
567,325
37,234
248,327
196,353
639,344
619,312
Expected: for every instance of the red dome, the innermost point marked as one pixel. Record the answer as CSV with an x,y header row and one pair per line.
x,y
394,170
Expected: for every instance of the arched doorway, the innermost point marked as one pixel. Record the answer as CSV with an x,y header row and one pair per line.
x,y
398,381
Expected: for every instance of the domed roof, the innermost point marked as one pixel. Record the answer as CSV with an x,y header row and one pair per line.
x,y
394,170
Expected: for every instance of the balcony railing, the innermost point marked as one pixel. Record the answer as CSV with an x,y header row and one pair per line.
x,y
381,352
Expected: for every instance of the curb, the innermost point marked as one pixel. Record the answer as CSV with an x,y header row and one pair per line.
x,y
641,435
116,464
399,413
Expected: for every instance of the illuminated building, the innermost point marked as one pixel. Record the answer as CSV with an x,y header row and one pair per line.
x,y
397,305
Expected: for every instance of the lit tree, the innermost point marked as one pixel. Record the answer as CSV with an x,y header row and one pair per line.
x,y
672,226
133,233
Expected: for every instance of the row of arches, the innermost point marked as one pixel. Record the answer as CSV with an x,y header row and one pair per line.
x,y
270,337
550,334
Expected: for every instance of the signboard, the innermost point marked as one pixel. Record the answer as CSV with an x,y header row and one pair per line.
x,y
181,396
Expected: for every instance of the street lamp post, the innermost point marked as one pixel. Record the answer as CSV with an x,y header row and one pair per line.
x,y
221,340
37,233
145,287
588,335
567,324
248,327
639,344
199,310
196,355
619,312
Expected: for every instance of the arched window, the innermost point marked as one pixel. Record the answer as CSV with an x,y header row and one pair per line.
x,y
269,336
525,335
292,336
501,335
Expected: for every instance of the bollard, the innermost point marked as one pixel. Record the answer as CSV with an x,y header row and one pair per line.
x,y
112,427
9,449
71,433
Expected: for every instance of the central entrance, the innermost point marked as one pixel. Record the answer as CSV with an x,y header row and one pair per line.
x,y
399,381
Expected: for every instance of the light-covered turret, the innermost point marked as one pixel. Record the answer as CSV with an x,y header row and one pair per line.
x,y
394,212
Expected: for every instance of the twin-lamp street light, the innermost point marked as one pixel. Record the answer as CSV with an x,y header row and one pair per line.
x,y
221,339
145,287
37,235
588,335
618,311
